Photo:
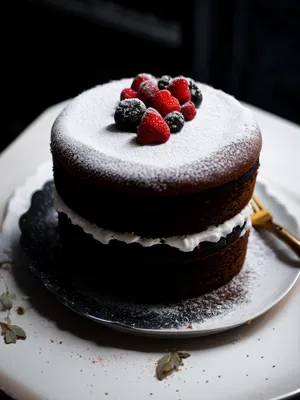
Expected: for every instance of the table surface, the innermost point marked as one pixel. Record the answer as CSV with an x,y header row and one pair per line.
x,y
281,146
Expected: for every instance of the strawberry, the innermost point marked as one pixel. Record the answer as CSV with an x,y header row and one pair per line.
x,y
153,128
138,80
188,110
165,103
179,88
147,92
127,94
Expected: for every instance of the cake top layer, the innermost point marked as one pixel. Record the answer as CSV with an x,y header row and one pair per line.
x,y
220,144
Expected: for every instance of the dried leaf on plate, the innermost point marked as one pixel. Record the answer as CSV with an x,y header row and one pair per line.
x,y
18,331
7,300
169,363
10,337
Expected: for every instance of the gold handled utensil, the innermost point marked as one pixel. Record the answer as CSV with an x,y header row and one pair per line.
x,y
262,217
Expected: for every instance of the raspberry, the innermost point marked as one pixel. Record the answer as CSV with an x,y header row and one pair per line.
x,y
163,82
153,128
165,103
127,94
175,120
196,95
188,110
138,80
147,92
179,88
190,80
129,113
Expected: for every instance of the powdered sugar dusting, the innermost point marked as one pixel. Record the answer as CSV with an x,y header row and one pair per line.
x,y
221,139
201,311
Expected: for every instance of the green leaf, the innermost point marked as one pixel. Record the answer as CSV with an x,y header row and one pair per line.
x,y
164,367
10,337
184,354
18,331
176,360
169,363
7,300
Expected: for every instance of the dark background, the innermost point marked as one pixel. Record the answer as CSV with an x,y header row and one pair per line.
x,y
54,49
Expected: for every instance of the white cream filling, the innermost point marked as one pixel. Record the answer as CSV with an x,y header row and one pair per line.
x,y
184,243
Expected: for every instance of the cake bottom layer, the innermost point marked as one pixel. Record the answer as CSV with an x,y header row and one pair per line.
x,y
141,273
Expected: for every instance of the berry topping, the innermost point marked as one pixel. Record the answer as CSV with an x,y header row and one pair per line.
x,y
138,80
179,88
196,95
175,120
191,82
129,113
165,103
163,82
128,93
153,128
147,92
188,110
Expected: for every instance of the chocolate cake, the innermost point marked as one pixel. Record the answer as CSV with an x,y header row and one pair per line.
x,y
148,212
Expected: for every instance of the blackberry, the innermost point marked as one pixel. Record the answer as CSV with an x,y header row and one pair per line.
x,y
129,113
191,82
163,82
196,95
175,120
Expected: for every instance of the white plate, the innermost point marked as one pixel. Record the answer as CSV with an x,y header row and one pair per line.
x,y
260,360
268,274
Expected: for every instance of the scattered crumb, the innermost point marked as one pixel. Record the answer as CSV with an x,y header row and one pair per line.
x,y
151,394
247,355
51,340
206,381
20,310
177,390
262,357
258,340
106,393
190,326
219,376
273,366
60,342
267,379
